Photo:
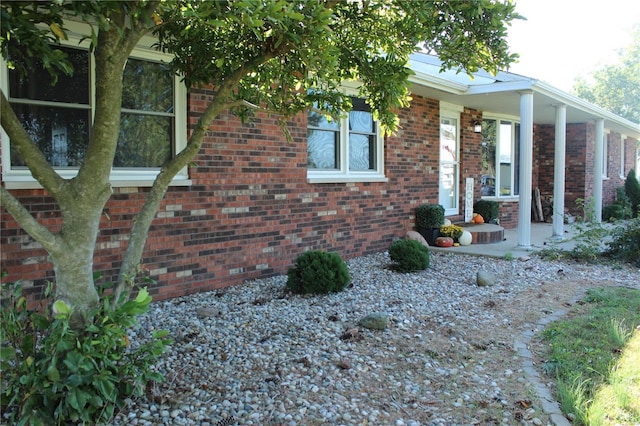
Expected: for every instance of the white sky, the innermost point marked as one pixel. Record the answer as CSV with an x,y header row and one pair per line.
x,y
563,39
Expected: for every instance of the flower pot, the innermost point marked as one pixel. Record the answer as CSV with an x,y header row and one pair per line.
x,y
430,234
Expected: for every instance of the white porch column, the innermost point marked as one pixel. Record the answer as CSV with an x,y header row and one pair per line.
x,y
526,168
598,160
558,172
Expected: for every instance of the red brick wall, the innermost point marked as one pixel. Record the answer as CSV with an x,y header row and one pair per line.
x,y
250,210
580,151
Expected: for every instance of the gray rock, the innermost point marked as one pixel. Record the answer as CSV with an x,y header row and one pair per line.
x,y
375,321
207,312
485,279
413,235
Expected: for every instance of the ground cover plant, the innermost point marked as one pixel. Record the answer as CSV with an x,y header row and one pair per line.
x,y
617,241
595,361
53,373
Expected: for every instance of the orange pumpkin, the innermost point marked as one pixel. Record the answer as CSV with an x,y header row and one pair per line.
x,y
478,219
444,242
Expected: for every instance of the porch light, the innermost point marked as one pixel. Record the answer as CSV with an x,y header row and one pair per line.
x,y
477,127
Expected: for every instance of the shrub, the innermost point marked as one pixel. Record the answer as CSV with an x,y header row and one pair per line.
x,y
620,209
632,189
429,216
54,373
409,255
487,209
614,211
318,272
625,242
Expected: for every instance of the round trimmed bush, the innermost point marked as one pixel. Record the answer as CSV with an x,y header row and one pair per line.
x,y
487,209
318,272
409,255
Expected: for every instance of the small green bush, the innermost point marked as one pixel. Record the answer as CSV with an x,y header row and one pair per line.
x,y
53,373
409,255
620,209
632,189
614,212
487,209
429,216
318,272
625,242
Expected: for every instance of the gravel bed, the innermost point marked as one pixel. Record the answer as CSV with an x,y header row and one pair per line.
x,y
256,355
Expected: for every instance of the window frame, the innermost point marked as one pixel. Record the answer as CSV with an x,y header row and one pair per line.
x,y
515,166
343,174
21,178
605,154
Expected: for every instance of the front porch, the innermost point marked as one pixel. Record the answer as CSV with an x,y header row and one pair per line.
x,y
541,238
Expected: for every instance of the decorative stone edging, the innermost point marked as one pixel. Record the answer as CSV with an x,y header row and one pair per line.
x,y
521,345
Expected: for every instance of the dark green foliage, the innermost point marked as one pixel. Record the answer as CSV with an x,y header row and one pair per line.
x,y
55,374
429,216
625,242
632,189
613,211
409,255
487,209
318,272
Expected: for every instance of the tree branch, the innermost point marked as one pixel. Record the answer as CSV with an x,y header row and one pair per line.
x,y
39,232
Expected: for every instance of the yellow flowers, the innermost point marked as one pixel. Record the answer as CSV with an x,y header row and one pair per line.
x,y
453,231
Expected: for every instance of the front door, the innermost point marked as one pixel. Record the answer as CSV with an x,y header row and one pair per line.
x,y
449,163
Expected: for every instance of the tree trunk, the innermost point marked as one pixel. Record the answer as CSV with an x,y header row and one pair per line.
x,y
74,278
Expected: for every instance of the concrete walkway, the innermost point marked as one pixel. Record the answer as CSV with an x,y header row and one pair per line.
x,y
541,234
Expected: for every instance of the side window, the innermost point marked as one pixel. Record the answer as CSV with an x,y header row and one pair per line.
x,y
59,118
500,158
348,149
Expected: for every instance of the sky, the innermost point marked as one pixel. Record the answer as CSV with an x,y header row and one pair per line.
x,y
564,39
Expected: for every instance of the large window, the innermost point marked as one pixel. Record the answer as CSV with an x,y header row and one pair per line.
x,y
59,118
344,150
500,157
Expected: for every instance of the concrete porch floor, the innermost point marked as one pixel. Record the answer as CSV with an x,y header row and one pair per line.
x,y
540,239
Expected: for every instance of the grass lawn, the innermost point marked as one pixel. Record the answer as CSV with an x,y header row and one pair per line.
x,y
595,356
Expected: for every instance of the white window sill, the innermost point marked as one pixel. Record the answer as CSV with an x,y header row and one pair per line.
x,y
510,198
23,182
346,179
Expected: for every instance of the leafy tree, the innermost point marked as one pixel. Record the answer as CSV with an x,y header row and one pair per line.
x,y
274,55
617,87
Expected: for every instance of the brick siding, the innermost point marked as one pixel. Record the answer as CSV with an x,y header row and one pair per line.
x,y
250,210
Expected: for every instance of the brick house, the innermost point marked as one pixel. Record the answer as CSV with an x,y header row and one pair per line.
x,y
252,201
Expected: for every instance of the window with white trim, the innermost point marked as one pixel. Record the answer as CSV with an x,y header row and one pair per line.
x,y
350,149
500,157
59,118
622,156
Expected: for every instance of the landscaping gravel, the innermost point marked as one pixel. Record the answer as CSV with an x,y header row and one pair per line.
x,y
255,354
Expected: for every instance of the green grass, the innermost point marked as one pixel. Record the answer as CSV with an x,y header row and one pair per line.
x,y
595,356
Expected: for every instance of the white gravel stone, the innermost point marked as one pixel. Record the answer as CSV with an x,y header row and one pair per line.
x,y
254,354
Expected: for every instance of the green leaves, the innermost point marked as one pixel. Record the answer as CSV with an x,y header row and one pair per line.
x,y
72,375
279,50
616,87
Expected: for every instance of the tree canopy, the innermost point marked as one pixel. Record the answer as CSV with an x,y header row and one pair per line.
x,y
616,87
273,55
